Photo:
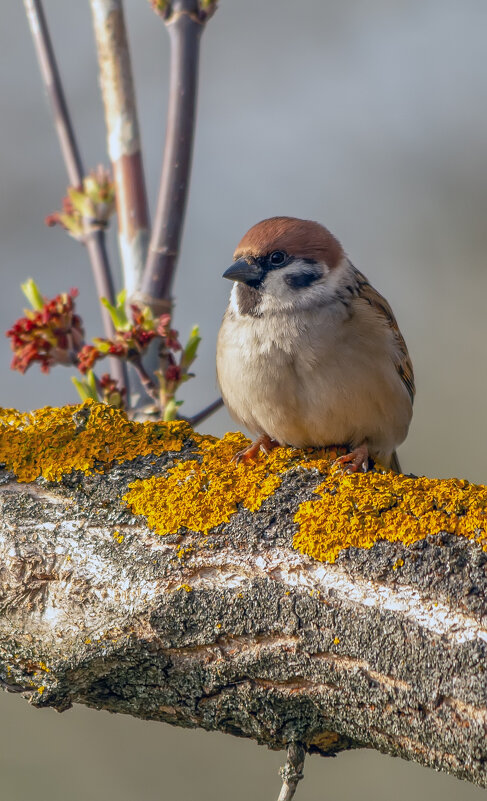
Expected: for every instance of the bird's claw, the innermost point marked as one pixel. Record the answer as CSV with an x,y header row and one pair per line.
x,y
356,461
263,443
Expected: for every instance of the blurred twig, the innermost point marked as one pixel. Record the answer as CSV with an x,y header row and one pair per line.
x,y
206,412
94,238
123,137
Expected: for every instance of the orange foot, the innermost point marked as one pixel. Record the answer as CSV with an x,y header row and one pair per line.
x,y
263,443
356,460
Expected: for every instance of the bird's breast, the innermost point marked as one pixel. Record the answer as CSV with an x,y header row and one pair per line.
x,y
311,384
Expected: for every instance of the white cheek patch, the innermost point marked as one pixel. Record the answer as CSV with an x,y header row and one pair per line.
x,y
282,283
281,291
233,298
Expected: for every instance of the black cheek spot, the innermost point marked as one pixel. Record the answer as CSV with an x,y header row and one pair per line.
x,y
302,280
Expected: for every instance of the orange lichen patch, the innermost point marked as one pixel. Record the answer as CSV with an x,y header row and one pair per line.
x,y
52,442
360,509
200,495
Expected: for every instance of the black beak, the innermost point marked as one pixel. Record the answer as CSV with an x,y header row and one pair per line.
x,y
244,271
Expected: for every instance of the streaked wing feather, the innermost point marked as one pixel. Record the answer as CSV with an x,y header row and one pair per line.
x,y
403,362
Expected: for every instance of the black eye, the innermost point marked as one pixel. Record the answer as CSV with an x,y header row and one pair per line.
x,y
277,258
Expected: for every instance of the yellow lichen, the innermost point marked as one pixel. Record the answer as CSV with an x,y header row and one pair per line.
x,y
185,587
200,495
52,442
336,640
360,509
203,492
183,552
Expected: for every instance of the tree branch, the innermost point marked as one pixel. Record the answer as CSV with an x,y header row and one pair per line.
x,y
185,23
94,239
206,412
123,137
230,628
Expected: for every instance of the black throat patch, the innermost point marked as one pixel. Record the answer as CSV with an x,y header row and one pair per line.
x,y
248,300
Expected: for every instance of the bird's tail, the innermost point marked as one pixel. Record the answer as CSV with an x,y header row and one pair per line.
x,y
395,463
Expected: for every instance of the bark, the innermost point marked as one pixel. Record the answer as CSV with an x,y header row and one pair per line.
x,y
238,632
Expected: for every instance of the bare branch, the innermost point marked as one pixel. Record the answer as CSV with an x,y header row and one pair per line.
x,y
146,381
206,412
123,137
185,23
94,239
54,90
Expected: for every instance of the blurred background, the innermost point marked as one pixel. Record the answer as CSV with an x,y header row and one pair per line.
x,y
366,115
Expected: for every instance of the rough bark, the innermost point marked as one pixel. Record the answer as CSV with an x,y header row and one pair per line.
x,y
237,631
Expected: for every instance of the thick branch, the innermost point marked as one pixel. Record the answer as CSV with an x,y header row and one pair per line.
x,y
235,630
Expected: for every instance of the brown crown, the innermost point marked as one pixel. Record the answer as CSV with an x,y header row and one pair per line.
x,y
300,238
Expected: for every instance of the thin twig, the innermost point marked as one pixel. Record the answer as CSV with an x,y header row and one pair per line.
x,y
206,412
54,90
185,22
122,137
292,772
146,381
94,239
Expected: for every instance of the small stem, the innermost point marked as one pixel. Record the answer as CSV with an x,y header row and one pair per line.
x,y
292,772
54,90
146,381
123,138
94,240
206,412
96,246
185,24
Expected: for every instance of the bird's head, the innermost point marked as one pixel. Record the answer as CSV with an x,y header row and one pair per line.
x,y
284,264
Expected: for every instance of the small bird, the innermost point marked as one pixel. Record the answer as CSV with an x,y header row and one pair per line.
x,y
309,353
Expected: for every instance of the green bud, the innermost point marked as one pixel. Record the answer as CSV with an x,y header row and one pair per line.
x,y
117,313
191,348
86,387
81,202
32,293
101,345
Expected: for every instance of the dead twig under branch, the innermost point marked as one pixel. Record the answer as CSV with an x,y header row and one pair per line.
x,y
292,772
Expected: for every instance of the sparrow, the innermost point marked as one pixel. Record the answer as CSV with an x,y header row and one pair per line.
x,y
309,354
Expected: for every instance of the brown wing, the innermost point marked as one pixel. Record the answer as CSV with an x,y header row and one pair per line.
x,y
403,362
